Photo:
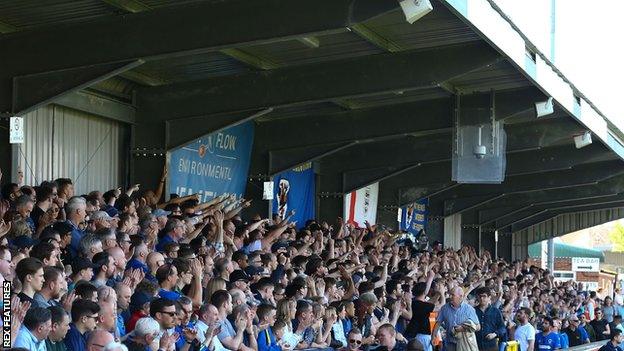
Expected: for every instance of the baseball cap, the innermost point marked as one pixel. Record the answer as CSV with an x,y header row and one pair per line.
x,y
23,241
278,245
159,212
112,211
63,227
251,270
239,275
80,263
140,298
100,215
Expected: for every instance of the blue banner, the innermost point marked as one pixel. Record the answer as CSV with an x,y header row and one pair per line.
x,y
295,190
414,216
214,164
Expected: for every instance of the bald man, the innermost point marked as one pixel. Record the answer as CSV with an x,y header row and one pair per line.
x,y
453,315
98,339
139,258
209,319
119,259
154,261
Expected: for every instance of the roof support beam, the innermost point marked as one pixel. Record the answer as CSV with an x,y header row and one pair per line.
x,y
410,70
133,6
166,32
35,90
589,174
518,162
280,161
543,208
517,203
384,136
552,213
97,105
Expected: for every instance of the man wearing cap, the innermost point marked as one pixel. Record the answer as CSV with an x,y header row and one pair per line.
x,y
23,243
161,217
240,280
101,219
576,334
139,308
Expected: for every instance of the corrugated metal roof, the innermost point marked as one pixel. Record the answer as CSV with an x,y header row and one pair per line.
x,y
23,14
331,47
500,76
160,3
439,27
568,223
301,110
397,97
192,67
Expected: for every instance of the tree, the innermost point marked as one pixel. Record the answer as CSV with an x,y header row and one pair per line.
x,y
616,236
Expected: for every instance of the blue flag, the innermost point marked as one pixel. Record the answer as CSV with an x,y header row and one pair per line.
x,y
295,190
215,164
414,216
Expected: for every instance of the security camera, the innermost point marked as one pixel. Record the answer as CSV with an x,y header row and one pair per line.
x,y
415,9
582,140
479,151
544,108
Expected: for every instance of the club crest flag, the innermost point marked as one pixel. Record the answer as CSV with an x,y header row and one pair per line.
x,y
295,190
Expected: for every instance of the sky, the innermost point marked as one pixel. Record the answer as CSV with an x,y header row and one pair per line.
x,y
588,44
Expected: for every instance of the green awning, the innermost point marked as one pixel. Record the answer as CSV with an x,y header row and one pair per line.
x,y
565,250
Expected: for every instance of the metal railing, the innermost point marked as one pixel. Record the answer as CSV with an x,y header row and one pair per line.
x,y
514,346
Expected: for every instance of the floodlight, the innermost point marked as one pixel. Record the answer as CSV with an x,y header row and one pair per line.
x,y
544,108
415,9
582,140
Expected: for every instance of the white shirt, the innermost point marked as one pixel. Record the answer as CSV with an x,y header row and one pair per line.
x,y
523,334
619,299
201,336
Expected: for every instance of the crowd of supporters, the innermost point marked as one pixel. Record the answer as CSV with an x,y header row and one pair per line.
x,y
119,270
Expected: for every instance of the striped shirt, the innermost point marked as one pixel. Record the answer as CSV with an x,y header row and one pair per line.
x,y
449,317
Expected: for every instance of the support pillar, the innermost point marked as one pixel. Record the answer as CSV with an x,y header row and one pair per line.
x,y
550,262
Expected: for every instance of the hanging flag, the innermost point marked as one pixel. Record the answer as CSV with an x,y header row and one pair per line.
x,y
295,190
361,205
414,216
215,164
